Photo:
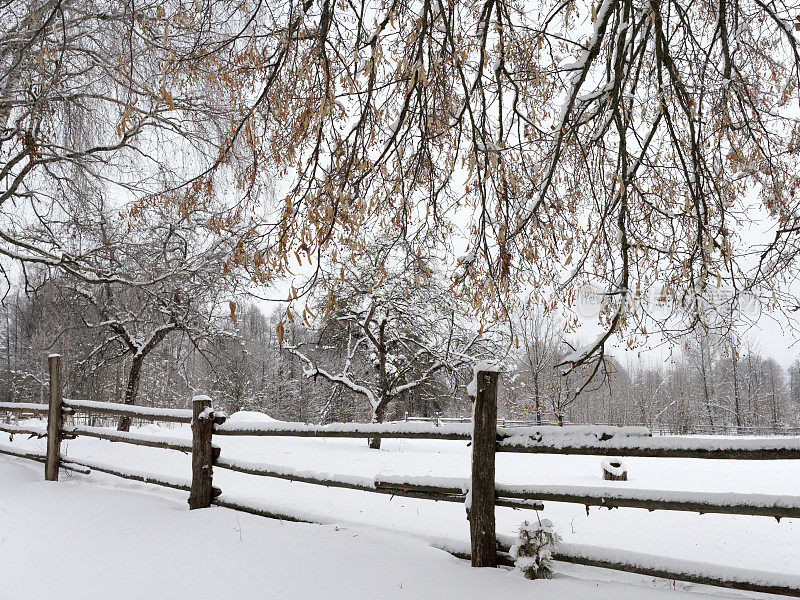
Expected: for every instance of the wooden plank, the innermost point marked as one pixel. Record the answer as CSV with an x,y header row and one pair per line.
x,y
721,579
502,557
480,511
24,407
202,453
151,478
172,415
39,432
364,484
266,512
657,448
357,431
55,420
37,456
129,438
764,505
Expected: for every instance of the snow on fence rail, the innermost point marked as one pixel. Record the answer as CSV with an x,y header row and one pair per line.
x,y
485,494
31,430
177,483
428,431
602,440
766,505
658,447
438,489
736,578
12,451
24,407
137,439
174,415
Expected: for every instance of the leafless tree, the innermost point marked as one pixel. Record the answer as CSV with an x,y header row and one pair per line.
x,y
400,328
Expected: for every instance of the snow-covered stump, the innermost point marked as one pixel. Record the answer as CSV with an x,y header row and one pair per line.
x,y
481,501
55,419
202,453
614,470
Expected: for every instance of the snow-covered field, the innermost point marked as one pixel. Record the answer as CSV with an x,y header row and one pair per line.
x,y
134,525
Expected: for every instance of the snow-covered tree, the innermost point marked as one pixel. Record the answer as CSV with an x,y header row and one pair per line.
x,y
398,326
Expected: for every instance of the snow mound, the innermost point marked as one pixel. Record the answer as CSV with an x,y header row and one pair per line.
x,y
250,416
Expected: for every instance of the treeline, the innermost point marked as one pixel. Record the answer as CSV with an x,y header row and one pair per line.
x,y
711,386
715,383
756,395
239,363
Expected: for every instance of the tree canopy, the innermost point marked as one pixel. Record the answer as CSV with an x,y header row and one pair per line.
x,y
621,143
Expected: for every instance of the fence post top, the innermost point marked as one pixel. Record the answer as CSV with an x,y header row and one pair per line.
x,y
487,366
481,366
53,356
201,398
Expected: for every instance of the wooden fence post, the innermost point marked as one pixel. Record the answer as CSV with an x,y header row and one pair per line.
x,y
483,537
202,452
55,418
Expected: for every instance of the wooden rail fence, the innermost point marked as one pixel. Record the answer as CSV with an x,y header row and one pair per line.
x,y
480,492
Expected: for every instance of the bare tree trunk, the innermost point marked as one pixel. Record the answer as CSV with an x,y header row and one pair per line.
x,y
706,394
378,417
775,410
131,389
536,392
8,355
380,411
736,401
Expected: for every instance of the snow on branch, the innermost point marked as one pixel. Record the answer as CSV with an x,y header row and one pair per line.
x,y
313,370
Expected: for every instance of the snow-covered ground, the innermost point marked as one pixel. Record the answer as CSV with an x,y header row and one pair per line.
x,y
753,542
87,539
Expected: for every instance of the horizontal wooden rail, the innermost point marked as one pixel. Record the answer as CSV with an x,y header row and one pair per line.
x,y
539,440
346,430
422,430
269,512
38,457
142,476
26,407
29,407
173,415
763,505
366,484
136,439
676,569
23,430
11,451
665,447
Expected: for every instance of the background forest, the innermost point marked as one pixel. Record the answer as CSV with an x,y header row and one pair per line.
x,y
711,385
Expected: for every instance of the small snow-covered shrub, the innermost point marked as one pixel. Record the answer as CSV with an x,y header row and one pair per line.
x,y
533,552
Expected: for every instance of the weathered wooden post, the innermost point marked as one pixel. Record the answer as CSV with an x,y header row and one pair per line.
x,y
483,538
55,419
202,452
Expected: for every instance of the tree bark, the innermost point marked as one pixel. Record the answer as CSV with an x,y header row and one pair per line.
x,y
55,418
202,454
131,390
706,395
380,411
135,373
480,511
378,417
736,403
